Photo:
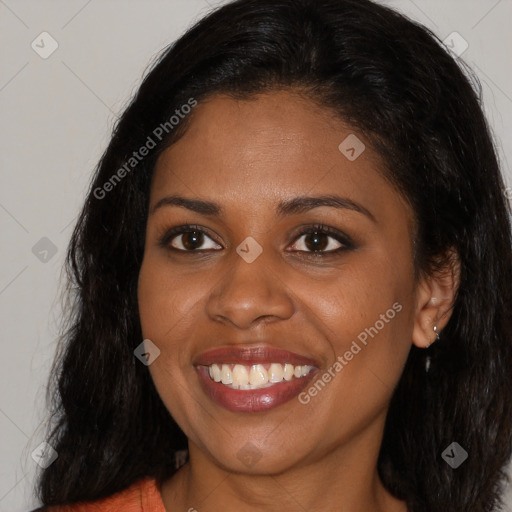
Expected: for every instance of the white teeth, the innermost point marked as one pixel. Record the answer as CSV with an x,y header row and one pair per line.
x,y
258,375
215,370
288,371
239,376
226,375
275,372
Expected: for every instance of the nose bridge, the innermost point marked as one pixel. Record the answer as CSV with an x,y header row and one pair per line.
x,y
250,288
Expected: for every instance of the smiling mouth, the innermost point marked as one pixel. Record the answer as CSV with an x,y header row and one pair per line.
x,y
251,379
256,376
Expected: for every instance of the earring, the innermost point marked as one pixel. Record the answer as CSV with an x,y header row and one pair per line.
x,y
428,359
437,337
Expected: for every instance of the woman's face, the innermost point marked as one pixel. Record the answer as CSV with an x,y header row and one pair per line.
x,y
248,288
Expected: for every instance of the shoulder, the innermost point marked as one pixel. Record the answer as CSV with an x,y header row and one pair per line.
x,y
141,496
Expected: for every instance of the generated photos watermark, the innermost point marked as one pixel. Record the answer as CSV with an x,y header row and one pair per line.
x,y
454,455
249,454
158,133
44,455
355,348
146,352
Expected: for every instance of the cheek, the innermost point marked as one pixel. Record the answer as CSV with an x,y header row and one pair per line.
x,y
162,313
367,318
165,298
362,291
149,298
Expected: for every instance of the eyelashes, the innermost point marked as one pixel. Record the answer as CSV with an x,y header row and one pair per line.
x,y
318,240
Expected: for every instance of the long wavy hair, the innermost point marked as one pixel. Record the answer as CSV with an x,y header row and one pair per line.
x,y
420,107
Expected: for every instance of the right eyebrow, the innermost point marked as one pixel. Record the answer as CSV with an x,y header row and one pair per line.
x,y
196,205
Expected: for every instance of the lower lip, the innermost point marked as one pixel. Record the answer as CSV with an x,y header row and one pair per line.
x,y
252,400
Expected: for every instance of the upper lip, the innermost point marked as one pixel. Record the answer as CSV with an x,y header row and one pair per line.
x,y
260,354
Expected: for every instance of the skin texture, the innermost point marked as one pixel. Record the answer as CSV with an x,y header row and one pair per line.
x,y
248,156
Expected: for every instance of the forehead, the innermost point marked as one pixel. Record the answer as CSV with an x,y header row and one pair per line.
x,y
271,147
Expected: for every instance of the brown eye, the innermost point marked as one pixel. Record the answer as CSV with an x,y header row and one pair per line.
x,y
188,239
318,241
192,240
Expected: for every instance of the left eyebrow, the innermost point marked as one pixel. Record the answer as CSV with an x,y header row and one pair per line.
x,y
288,207
305,203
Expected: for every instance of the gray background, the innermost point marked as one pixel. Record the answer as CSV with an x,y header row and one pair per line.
x,y
56,117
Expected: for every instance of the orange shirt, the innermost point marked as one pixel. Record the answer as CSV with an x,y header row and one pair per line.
x,y
142,496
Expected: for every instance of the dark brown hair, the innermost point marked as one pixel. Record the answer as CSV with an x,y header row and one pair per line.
x,y
391,79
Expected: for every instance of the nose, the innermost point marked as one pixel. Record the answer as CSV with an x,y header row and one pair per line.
x,y
250,293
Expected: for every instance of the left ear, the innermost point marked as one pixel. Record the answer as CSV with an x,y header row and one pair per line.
x,y
435,297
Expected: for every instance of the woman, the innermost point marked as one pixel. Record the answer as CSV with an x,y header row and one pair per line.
x,y
302,215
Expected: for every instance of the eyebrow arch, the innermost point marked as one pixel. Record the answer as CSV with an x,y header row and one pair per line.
x,y
195,205
288,207
304,203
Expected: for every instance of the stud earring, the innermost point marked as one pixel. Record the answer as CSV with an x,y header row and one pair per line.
x,y
428,359
437,337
